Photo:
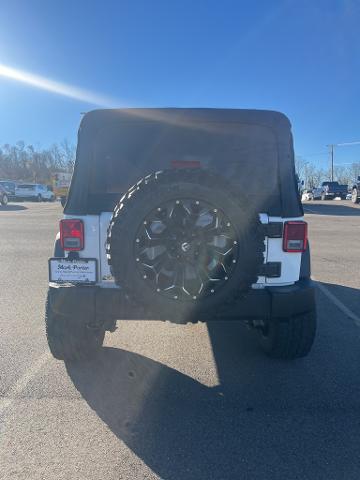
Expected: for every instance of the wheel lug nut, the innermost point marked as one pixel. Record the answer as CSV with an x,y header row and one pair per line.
x,y
144,276
137,240
158,290
215,210
138,259
194,297
235,242
228,224
177,202
197,202
226,278
234,261
159,209
212,290
175,296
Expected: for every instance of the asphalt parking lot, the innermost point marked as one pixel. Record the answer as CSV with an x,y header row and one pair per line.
x,y
179,402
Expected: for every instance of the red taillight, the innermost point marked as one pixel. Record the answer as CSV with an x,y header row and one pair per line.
x,y
72,234
295,237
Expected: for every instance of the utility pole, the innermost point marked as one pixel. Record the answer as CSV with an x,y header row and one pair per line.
x,y
332,163
331,146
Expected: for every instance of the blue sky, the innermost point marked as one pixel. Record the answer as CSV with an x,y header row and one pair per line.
x,y
299,57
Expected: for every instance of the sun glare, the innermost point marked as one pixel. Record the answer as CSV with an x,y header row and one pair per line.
x,y
57,87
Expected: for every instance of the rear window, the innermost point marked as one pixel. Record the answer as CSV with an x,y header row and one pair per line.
x,y
125,152
7,185
252,149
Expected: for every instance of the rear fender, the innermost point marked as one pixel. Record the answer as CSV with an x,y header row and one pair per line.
x,y
305,266
58,251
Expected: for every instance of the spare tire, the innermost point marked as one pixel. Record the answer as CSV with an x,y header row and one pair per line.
x,y
182,243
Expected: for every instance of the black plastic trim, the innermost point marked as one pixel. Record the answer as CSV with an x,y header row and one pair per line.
x,y
112,304
273,229
270,270
305,266
58,251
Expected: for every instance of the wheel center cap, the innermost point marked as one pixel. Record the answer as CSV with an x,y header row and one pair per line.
x,y
185,247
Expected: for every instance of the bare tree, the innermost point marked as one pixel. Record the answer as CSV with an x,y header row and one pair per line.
x,y
29,163
342,174
355,171
300,166
312,175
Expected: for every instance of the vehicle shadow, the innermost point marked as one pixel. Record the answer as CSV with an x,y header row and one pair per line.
x,y
332,208
12,207
257,423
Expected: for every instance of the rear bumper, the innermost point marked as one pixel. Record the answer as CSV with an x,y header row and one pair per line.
x,y
101,304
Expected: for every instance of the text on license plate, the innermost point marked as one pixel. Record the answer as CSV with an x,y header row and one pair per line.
x,y
75,271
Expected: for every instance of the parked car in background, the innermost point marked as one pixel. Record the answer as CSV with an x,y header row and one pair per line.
x,y
34,191
61,183
316,193
306,195
331,190
3,196
355,191
9,186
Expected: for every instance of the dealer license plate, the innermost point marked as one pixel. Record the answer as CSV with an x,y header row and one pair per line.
x,y
80,270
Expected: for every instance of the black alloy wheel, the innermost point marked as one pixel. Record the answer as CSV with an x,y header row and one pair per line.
x,y
186,249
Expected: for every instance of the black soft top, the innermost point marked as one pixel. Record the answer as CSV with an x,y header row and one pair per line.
x,y
252,148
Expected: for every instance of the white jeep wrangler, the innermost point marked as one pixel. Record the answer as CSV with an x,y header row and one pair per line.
x,y
169,217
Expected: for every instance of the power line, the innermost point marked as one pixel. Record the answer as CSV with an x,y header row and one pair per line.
x,y
319,154
347,144
323,153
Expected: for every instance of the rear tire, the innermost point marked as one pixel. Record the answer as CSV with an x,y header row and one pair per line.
x,y
4,200
39,198
289,338
69,337
194,286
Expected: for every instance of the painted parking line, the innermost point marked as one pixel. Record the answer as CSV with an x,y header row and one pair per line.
x,y
339,304
20,385
308,210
